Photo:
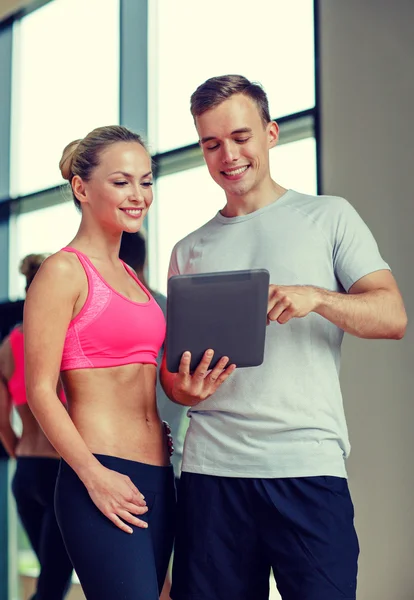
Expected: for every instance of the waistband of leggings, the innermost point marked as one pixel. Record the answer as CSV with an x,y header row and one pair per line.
x,y
39,460
37,466
153,476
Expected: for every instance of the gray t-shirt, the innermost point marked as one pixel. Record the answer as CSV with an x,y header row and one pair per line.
x,y
174,414
284,418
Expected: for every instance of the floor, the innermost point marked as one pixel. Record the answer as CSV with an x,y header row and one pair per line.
x,y
274,594
28,584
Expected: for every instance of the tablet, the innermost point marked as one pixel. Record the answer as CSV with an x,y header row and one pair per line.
x,y
224,311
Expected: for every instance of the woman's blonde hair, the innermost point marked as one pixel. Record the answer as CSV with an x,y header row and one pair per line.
x,y
81,157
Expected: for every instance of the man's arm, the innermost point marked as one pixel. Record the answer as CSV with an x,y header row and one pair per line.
x,y
373,308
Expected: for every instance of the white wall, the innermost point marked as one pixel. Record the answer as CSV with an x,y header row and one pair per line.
x,y
367,110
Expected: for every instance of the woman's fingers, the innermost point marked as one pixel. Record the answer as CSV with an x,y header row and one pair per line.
x,y
137,497
134,509
120,524
125,515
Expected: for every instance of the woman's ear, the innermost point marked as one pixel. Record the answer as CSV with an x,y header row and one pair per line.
x,y
78,188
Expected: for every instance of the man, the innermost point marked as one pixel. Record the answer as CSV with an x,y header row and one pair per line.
x,y
264,480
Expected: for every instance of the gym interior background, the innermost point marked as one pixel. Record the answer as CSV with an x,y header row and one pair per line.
x,y
339,76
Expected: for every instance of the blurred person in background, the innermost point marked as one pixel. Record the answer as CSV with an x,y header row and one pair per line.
x,y
91,321
133,252
37,462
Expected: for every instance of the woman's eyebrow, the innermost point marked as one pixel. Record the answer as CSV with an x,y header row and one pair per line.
x,y
128,175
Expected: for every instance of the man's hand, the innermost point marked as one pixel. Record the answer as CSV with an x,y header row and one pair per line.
x,y
291,301
190,389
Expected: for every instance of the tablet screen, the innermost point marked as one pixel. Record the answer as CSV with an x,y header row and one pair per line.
x,y
224,311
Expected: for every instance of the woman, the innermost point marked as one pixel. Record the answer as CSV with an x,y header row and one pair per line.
x,y
37,463
88,317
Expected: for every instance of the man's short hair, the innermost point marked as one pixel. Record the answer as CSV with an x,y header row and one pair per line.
x,y
133,250
215,90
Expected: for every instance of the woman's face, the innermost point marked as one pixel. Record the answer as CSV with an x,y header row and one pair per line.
x,y
119,192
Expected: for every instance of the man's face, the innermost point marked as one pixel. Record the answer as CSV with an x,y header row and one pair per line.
x,y
235,143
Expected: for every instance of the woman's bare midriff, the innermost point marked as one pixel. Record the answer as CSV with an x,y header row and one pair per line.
x,y
33,441
115,411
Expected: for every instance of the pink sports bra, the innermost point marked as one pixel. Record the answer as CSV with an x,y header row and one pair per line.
x,y
112,330
16,382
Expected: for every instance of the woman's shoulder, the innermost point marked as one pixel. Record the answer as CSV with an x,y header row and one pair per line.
x,y
61,264
59,273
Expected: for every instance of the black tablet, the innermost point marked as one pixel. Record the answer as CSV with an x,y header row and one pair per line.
x,y
224,311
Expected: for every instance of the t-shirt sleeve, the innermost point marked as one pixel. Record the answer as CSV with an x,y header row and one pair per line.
x,y
173,268
355,251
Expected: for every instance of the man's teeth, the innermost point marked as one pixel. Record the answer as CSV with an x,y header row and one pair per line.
x,y
236,171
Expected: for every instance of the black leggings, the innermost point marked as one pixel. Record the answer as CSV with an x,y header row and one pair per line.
x,y
110,563
33,487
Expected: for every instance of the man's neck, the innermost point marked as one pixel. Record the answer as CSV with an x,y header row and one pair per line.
x,y
244,205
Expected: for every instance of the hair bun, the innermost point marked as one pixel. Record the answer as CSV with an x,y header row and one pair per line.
x,y
65,164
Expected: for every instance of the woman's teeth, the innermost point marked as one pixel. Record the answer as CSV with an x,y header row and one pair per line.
x,y
133,212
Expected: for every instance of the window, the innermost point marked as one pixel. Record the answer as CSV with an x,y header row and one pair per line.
x,y
294,165
272,44
65,83
43,230
183,201
186,200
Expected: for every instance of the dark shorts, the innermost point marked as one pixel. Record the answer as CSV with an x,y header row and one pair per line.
x,y
232,531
